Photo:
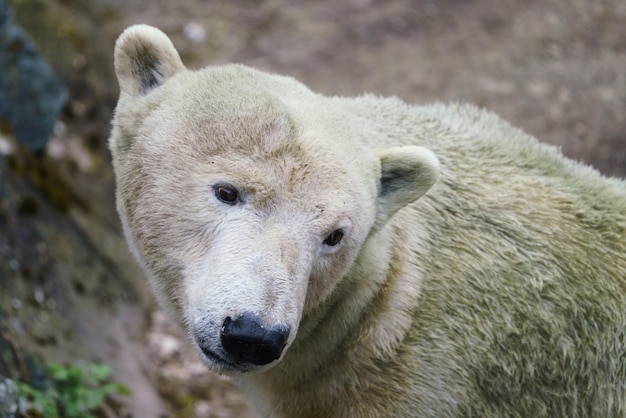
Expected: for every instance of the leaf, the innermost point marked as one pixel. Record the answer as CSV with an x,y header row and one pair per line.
x,y
100,372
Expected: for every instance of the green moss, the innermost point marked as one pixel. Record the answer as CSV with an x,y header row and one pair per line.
x,y
74,391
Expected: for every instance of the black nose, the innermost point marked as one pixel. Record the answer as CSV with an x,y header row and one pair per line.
x,y
247,340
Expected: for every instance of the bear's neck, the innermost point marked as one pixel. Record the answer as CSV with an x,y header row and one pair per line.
x,y
361,324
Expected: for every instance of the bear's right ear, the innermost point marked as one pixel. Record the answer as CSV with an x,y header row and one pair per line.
x,y
144,58
406,174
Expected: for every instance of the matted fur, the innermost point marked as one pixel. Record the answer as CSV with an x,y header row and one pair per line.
x,y
499,292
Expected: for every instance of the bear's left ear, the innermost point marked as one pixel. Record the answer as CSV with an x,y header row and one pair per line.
x,y
144,59
406,174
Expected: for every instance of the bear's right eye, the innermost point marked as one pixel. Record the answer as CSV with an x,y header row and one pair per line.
x,y
334,238
226,194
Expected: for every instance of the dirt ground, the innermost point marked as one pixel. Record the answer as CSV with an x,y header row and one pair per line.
x,y
555,68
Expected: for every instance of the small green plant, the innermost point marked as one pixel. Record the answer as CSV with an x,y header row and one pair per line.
x,y
75,391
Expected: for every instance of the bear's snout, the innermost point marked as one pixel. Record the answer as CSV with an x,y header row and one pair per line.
x,y
246,340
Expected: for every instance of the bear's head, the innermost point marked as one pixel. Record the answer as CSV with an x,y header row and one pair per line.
x,y
244,196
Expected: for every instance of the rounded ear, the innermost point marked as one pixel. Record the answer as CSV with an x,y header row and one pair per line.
x,y
406,174
144,58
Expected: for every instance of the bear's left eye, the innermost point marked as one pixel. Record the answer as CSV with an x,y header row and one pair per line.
x,y
227,194
334,238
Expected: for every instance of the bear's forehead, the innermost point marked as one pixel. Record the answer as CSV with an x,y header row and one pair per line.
x,y
253,139
223,120
254,128
276,172
246,132
267,156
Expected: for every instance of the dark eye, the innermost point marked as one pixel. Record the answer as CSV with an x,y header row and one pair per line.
x,y
334,238
227,194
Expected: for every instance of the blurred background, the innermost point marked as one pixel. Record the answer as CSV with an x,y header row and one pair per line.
x,y
69,290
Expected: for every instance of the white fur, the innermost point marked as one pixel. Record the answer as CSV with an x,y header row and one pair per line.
x,y
480,272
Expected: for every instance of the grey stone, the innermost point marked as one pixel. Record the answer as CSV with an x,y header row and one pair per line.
x,y
31,96
8,398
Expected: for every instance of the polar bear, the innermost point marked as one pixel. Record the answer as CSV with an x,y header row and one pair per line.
x,y
361,257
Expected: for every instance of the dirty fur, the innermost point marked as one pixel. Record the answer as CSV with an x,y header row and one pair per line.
x,y
480,273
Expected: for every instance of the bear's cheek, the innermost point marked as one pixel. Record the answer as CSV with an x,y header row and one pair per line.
x,y
327,272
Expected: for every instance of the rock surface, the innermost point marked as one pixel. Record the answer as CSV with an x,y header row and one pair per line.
x,y
69,292
31,96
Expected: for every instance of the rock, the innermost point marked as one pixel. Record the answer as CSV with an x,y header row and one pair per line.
x,y
31,97
68,293
8,397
